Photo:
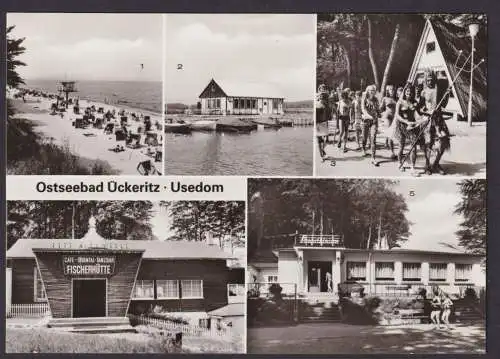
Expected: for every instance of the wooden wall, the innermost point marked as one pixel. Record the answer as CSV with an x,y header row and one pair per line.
x,y
214,273
23,281
58,286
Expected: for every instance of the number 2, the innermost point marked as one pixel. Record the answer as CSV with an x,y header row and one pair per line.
x,y
179,66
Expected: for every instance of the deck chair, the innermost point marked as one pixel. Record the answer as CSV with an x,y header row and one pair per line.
x,y
133,141
108,130
120,135
147,168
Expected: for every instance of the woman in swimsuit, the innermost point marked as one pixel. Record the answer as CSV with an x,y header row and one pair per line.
x,y
387,108
406,129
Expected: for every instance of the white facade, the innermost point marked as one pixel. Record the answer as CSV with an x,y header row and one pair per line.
x,y
241,106
378,271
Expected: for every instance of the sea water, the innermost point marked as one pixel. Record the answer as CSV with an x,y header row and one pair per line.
x,y
145,95
287,151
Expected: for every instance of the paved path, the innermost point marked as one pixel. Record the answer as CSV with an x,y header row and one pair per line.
x,y
466,158
329,338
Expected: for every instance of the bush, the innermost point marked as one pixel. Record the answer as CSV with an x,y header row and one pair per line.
x,y
470,294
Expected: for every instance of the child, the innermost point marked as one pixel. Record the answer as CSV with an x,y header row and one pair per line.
x,y
447,305
356,114
436,310
344,110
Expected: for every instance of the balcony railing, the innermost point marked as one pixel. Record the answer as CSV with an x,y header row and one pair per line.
x,y
319,240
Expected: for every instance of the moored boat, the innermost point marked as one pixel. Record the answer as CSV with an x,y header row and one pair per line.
x,y
234,125
203,125
177,128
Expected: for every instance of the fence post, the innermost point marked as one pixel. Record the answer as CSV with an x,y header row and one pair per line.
x,y
296,305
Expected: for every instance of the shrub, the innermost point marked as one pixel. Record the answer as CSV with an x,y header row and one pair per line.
x,y
470,294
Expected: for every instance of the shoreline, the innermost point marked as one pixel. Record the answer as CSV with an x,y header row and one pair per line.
x,y
89,144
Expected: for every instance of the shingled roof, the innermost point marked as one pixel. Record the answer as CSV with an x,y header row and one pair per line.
x,y
248,89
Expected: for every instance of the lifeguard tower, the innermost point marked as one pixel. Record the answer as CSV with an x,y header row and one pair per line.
x,y
67,87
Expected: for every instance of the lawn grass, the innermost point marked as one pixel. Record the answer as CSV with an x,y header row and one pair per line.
x,y
50,341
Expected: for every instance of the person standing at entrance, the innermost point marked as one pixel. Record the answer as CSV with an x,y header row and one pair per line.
x,y
329,285
436,310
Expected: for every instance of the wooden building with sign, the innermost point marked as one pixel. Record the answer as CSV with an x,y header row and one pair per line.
x,y
97,277
224,98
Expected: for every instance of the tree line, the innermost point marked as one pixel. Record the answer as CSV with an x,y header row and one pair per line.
x,y
357,209
361,49
126,220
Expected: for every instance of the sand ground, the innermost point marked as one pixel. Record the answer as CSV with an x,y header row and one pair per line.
x,y
467,157
90,143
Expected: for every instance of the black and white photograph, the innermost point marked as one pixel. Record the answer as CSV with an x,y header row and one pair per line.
x,y
401,95
125,277
239,92
366,266
84,94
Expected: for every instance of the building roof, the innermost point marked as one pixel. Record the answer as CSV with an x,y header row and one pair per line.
x,y
448,251
230,310
153,249
249,89
455,45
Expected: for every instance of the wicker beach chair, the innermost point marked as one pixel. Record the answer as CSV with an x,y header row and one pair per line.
x,y
108,130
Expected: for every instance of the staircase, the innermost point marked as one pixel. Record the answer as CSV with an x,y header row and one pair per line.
x,y
319,312
465,312
92,325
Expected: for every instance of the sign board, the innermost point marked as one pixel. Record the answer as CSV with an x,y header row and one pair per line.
x,y
88,265
76,244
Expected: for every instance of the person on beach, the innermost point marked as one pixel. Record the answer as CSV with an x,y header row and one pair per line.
x,y
447,305
436,310
406,129
357,114
322,112
344,111
370,114
388,108
437,135
333,102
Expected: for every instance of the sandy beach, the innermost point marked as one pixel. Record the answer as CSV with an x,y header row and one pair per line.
x,y
89,143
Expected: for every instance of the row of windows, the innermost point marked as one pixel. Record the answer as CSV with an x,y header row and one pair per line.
x,y
144,289
213,102
411,271
168,289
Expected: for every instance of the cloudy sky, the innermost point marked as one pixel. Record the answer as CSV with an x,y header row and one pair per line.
x,y
431,211
278,50
90,46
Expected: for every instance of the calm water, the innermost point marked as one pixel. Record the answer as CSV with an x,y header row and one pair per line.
x,y
137,94
288,151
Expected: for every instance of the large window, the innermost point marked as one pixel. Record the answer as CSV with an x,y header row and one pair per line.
x,y
412,271
463,272
167,289
236,103
437,272
384,271
217,103
39,290
192,288
254,103
356,271
144,289
249,105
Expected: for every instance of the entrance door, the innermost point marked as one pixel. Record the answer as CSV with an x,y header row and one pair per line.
x,y
89,298
317,276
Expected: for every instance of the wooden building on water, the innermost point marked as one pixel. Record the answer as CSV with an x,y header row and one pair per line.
x,y
221,98
93,277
